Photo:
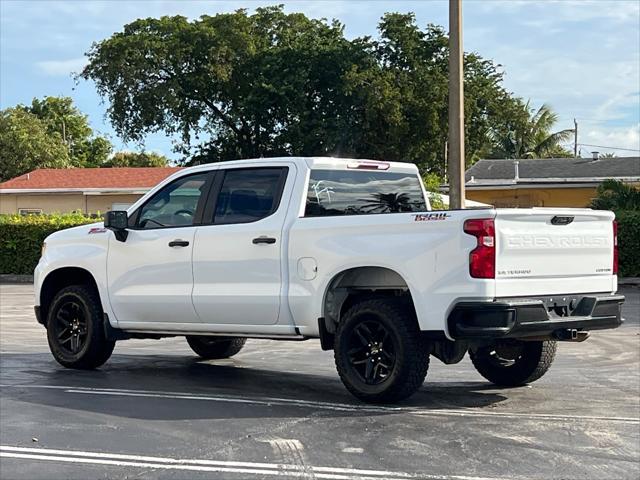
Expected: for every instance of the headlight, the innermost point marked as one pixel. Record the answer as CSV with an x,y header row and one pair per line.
x,y
44,247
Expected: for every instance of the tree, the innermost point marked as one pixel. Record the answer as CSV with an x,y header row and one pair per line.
x,y
616,195
26,145
236,85
532,137
136,159
248,85
406,91
63,120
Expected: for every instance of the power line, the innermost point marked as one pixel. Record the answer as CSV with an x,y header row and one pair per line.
x,y
611,148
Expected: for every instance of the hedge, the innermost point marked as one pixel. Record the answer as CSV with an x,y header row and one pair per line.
x,y
21,238
629,243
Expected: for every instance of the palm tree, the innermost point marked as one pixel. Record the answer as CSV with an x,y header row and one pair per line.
x,y
387,202
533,137
616,195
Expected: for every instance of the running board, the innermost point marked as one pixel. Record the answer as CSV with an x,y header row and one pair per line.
x,y
113,333
172,333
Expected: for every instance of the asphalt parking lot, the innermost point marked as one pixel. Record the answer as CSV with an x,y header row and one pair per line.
x,y
278,409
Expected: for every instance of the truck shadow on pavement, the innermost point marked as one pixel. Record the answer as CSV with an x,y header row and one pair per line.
x,y
180,388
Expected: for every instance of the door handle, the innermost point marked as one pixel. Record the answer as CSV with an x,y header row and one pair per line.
x,y
179,243
267,240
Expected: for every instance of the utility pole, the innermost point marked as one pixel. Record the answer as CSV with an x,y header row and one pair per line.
x,y
575,138
456,161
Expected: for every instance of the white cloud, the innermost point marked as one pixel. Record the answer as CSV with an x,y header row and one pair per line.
x,y
621,137
59,68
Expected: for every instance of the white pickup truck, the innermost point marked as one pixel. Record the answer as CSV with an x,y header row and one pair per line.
x,y
347,251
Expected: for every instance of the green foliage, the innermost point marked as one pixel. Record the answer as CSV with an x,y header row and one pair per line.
x,y
137,159
528,134
65,122
236,85
21,238
624,200
629,242
268,83
616,195
51,133
432,183
26,145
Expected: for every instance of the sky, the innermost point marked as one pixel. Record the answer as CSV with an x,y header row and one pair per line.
x,y
582,57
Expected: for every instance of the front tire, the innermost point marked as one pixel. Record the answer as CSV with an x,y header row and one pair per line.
x,y
379,352
211,348
514,363
75,329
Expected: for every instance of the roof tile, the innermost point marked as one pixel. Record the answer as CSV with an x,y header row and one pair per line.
x,y
107,178
566,168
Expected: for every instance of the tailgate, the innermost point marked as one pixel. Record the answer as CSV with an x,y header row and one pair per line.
x,y
544,251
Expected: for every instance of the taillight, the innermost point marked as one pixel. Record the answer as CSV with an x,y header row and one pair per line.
x,y
615,247
482,259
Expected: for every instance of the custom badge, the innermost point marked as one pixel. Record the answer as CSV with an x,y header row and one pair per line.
x,y
427,217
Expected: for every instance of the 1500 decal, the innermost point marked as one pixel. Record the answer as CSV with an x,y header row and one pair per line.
x,y
426,217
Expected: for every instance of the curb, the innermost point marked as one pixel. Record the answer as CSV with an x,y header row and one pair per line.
x,y
633,281
11,278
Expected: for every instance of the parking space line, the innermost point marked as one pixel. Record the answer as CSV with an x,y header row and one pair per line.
x,y
273,469
529,416
271,401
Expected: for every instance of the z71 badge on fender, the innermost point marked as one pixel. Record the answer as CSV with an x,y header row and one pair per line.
x,y
426,217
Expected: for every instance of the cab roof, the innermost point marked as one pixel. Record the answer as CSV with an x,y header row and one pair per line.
x,y
321,163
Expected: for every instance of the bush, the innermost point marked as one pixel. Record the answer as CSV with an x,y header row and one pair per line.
x,y
629,242
617,196
21,238
432,183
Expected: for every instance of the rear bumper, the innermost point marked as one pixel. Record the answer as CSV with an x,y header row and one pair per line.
x,y
531,317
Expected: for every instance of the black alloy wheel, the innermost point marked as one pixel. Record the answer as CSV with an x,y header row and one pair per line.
x,y
505,355
75,328
71,327
371,351
512,363
379,351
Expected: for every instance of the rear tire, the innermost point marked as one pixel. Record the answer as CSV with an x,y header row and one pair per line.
x,y
379,352
75,329
514,363
210,347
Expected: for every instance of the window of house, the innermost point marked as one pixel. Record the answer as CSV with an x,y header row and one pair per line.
x,y
29,211
120,206
339,192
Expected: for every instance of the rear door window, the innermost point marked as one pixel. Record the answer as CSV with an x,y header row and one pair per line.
x,y
249,194
339,192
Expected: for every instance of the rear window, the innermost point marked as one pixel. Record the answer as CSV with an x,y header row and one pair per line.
x,y
338,192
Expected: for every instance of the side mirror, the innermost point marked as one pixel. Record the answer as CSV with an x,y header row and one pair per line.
x,y
117,221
